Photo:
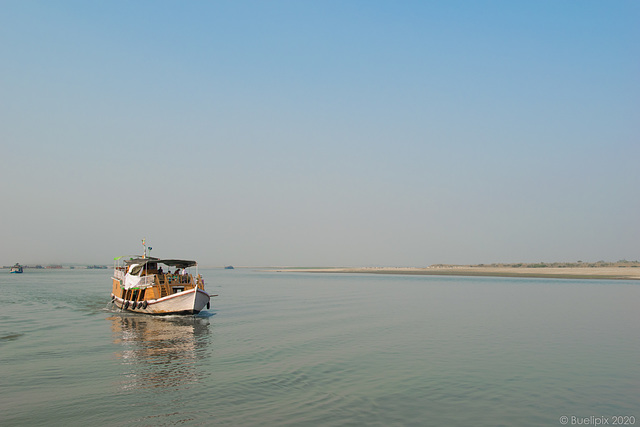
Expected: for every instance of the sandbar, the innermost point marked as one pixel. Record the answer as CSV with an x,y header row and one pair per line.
x,y
609,273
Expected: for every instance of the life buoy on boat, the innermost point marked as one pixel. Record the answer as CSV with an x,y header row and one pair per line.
x,y
144,304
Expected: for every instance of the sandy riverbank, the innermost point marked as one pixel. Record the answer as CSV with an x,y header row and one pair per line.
x,y
619,273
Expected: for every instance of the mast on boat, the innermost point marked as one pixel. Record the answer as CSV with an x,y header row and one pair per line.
x,y
144,255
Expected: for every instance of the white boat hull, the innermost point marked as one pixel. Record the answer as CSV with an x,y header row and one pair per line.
x,y
191,301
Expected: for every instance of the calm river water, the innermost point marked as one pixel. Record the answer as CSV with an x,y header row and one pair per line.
x,y
299,349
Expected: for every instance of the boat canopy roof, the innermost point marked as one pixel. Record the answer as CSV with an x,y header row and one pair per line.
x,y
179,263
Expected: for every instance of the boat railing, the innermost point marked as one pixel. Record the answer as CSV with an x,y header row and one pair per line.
x,y
175,278
147,280
118,274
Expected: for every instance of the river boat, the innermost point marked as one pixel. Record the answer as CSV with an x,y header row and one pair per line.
x,y
16,269
141,285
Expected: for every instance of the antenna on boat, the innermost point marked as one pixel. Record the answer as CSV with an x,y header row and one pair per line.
x,y
145,248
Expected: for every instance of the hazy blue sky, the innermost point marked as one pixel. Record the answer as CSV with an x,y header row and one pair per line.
x,y
320,132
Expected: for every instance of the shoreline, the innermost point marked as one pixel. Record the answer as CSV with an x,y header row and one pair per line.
x,y
603,273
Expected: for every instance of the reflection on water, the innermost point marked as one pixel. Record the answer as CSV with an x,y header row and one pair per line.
x,y
160,352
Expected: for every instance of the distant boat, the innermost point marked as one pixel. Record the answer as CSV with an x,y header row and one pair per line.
x,y
16,268
142,286
228,267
